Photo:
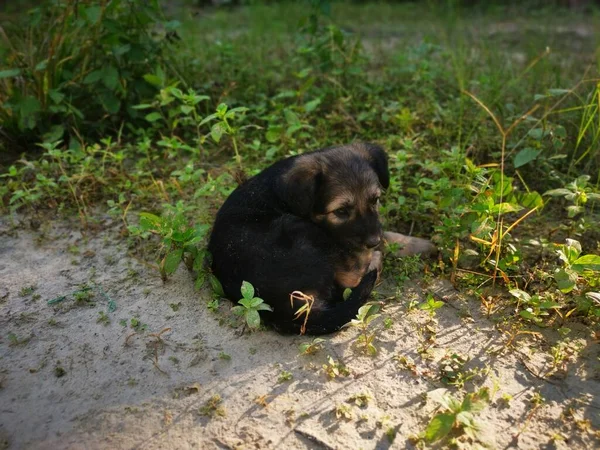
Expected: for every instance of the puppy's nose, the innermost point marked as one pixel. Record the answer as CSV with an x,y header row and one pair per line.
x,y
373,241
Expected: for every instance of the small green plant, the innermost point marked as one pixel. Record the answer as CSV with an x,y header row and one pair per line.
x,y
366,314
360,399
456,415
578,193
431,305
213,305
576,267
249,306
310,348
27,290
343,411
224,356
285,376
224,118
213,407
534,307
388,322
334,369
179,241
103,318
451,367
137,325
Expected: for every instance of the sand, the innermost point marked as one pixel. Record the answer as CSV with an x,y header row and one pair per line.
x,y
68,381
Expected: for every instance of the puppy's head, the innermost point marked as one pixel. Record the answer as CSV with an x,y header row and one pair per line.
x,y
339,189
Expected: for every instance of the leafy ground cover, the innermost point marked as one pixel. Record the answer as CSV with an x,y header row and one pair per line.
x,y
125,125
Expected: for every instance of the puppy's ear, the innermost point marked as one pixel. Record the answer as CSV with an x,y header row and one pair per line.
x,y
297,187
378,160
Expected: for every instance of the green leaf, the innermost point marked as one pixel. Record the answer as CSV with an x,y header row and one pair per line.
x,y
566,280
521,295
587,262
312,105
216,286
246,303
274,133
347,293
253,318
525,156
186,109
149,221
238,310
93,77
110,102
264,307
172,260
291,117
93,14
531,200
439,427
10,73
217,131
110,77
558,192
247,290
154,80
153,117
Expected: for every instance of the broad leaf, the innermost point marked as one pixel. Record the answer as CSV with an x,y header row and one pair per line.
x,y
566,280
149,221
439,427
253,318
216,286
521,295
172,260
526,156
153,117
247,290
587,262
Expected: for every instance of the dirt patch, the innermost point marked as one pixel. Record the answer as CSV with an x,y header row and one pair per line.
x,y
75,374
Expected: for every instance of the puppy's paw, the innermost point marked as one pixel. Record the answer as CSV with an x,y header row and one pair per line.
x,y
410,245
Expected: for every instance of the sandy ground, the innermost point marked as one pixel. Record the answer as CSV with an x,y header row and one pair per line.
x,y
67,381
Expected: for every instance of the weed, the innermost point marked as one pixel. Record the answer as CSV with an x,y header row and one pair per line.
x,y
456,414
213,305
224,356
285,376
343,411
431,305
27,290
310,348
360,400
103,318
334,369
178,240
213,407
249,306
366,314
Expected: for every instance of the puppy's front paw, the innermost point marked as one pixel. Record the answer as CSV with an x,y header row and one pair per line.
x,y
410,245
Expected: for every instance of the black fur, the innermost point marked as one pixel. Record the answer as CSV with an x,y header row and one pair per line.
x,y
270,232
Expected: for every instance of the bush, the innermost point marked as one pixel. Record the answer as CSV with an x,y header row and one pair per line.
x,y
75,68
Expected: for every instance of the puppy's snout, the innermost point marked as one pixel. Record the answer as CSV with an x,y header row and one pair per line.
x,y
373,241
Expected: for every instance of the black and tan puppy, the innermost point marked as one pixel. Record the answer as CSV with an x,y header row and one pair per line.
x,y
309,223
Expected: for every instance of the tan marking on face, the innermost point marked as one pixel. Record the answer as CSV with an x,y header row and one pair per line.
x,y
339,202
351,270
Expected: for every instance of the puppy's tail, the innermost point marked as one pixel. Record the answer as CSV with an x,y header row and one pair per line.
x,y
328,319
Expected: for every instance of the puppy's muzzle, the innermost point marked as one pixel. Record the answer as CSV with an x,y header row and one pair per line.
x,y
373,241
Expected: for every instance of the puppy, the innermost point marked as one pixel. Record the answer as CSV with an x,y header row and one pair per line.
x,y
308,223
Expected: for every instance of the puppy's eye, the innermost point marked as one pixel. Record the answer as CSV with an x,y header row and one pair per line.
x,y
342,213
